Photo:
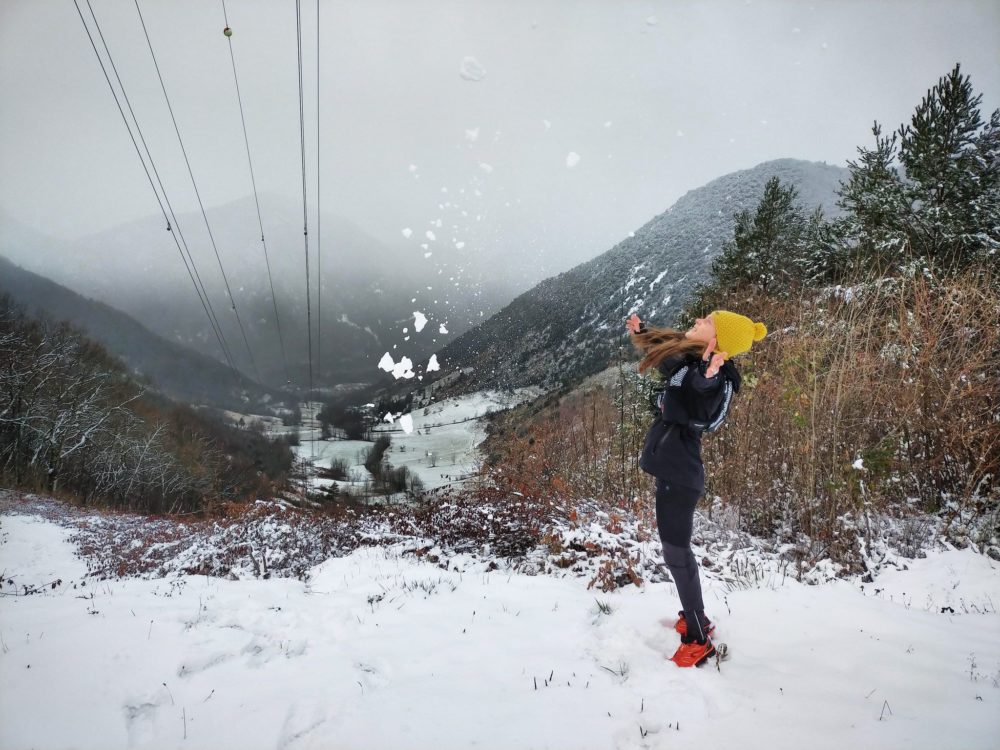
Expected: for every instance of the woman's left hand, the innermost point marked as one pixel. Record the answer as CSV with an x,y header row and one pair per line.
x,y
715,360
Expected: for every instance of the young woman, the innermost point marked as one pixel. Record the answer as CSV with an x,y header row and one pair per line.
x,y
699,382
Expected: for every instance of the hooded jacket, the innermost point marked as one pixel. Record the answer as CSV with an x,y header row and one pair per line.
x,y
672,450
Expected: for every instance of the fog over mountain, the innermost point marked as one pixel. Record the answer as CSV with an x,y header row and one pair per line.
x,y
369,291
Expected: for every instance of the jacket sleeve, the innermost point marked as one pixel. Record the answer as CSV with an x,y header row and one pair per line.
x,y
702,385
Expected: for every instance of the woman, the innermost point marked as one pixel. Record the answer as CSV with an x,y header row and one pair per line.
x,y
699,381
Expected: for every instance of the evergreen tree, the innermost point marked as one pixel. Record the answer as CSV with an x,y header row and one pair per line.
x,y
951,167
825,256
930,191
767,244
875,201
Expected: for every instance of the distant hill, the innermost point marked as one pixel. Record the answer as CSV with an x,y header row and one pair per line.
x,y
370,289
570,325
179,372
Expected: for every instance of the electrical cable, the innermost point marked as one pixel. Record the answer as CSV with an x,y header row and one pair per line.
x,y
305,210
218,332
319,220
187,162
253,182
199,286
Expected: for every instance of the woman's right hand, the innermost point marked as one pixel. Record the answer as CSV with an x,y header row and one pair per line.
x,y
715,359
633,324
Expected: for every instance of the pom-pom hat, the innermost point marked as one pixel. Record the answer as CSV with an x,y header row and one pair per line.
x,y
735,333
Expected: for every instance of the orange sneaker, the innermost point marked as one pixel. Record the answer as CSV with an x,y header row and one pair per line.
x,y
693,654
681,625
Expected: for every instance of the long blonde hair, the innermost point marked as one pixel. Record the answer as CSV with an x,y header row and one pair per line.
x,y
659,343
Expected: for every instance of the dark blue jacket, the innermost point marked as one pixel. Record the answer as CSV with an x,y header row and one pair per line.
x,y
672,450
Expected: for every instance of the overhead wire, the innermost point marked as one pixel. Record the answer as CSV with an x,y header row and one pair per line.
x,y
319,221
156,193
187,162
253,182
305,205
199,286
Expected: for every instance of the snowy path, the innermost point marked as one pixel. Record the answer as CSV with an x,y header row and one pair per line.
x,y
381,650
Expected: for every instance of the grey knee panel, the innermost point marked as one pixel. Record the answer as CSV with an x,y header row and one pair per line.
x,y
677,557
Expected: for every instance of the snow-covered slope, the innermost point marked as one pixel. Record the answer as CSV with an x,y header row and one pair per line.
x,y
380,649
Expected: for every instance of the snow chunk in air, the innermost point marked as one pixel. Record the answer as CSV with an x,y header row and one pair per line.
x,y
407,232
403,369
471,69
433,365
406,422
572,159
419,320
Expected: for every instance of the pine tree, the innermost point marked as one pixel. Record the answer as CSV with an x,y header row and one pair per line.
x,y
929,192
826,256
952,173
767,244
875,201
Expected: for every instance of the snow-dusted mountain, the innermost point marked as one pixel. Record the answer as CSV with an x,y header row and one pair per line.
x,y
570,325
174,369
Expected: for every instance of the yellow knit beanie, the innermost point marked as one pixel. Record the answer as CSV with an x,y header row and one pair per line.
x,y
734,333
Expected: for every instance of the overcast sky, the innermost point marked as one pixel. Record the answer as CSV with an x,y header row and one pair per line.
x,y
652,98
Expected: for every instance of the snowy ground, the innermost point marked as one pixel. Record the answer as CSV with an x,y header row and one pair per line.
x,y
380,649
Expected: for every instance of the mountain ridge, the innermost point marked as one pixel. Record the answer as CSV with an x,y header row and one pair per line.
x,y
570,325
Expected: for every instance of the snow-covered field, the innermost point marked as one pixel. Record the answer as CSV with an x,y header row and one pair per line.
x,y
381,649
441,447
438,444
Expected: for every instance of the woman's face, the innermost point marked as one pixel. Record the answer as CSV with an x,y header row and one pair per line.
x,y
702,330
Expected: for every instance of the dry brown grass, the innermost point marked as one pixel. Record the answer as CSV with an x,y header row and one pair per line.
x,y
584,444
902,374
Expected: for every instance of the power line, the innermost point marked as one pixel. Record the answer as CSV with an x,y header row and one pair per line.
x,y
199,286
319,221
253,181
232,299
305,209
114,94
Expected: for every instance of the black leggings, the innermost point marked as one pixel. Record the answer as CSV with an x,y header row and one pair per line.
x,y
675,523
